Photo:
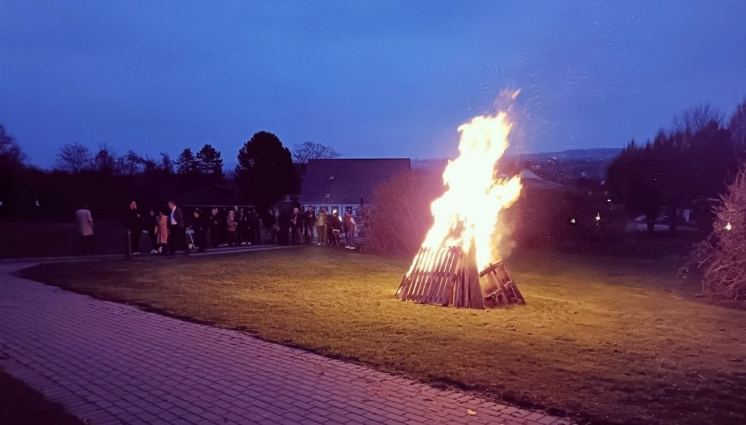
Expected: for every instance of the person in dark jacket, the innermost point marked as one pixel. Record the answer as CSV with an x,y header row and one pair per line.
x,y
176,229
309,221
336,227
283,223
199,227
242,217
133,222
270,226
254,234
223,220
150,223
213,227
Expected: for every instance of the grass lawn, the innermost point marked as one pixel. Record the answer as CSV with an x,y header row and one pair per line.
x,y
21,405
601,339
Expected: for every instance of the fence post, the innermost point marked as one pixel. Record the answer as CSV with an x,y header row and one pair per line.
x,y
128,244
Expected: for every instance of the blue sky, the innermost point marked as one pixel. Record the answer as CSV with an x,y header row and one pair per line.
x,y
369,78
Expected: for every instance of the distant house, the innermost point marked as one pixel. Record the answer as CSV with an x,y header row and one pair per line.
x,y
343,184
531,179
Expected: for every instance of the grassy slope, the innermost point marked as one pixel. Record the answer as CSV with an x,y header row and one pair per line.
x,y
611,340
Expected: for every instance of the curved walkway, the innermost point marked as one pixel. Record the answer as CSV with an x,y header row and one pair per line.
x,y
110,363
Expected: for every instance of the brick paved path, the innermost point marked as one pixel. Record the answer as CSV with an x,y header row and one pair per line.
x,y
110,363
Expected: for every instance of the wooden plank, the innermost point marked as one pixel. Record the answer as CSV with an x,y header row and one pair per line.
x,y
440,270
452,291
419,283
406,283
418,274
448,273
428,281
437,279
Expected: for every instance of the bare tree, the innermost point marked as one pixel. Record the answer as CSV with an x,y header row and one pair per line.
x,y
721,255
696,118
74,158
10,153
310,150
737,126
131,162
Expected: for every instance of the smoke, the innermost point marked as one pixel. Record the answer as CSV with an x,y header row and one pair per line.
x,y
502,241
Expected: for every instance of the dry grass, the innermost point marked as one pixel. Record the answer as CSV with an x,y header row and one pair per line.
x,y
606,340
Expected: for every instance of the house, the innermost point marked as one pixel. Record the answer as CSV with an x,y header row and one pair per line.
x,y
531,179
344,184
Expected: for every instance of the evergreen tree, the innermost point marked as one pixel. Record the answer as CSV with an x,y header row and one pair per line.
x,y
210,163
166,163
265,170
186,163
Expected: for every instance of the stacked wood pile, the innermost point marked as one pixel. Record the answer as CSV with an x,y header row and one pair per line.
x,y
448,276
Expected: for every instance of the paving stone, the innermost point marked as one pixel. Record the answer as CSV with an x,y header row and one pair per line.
x,y
117,364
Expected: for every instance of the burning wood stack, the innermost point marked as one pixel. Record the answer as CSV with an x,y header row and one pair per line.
x,y
459,263
449,277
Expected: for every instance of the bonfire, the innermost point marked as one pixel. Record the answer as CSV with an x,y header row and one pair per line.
x,y
459,263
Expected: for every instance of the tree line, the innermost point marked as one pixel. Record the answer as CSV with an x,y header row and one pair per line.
x,y
105,180
688,165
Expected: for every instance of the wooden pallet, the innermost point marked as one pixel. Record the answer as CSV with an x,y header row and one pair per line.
x,y
447,276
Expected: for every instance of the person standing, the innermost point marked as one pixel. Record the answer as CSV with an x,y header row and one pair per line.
x,y
213,225
199,229
335,226
222,220
350,226
133,222
270,226
254,233
320,225
232,228
296,224
84,220
309,220
243,227
284,222
176,230
151,223
161,231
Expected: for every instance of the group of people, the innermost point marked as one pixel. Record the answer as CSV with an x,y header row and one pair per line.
x,y
171,230
166,229
327,227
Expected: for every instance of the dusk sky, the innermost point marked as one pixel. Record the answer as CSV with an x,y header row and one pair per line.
x,y
369,78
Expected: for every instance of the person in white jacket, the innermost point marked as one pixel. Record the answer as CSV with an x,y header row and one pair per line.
x,y
84,220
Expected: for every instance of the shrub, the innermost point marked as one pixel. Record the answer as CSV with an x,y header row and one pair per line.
x,y
400,213
562,218
722,256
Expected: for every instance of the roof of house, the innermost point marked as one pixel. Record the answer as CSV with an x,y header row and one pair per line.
x,y
531,179
345,180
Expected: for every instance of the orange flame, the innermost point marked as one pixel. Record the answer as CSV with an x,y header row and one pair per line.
x,y
469,208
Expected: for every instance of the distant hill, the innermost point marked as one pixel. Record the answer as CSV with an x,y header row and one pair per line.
x,y
597,154
563,167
